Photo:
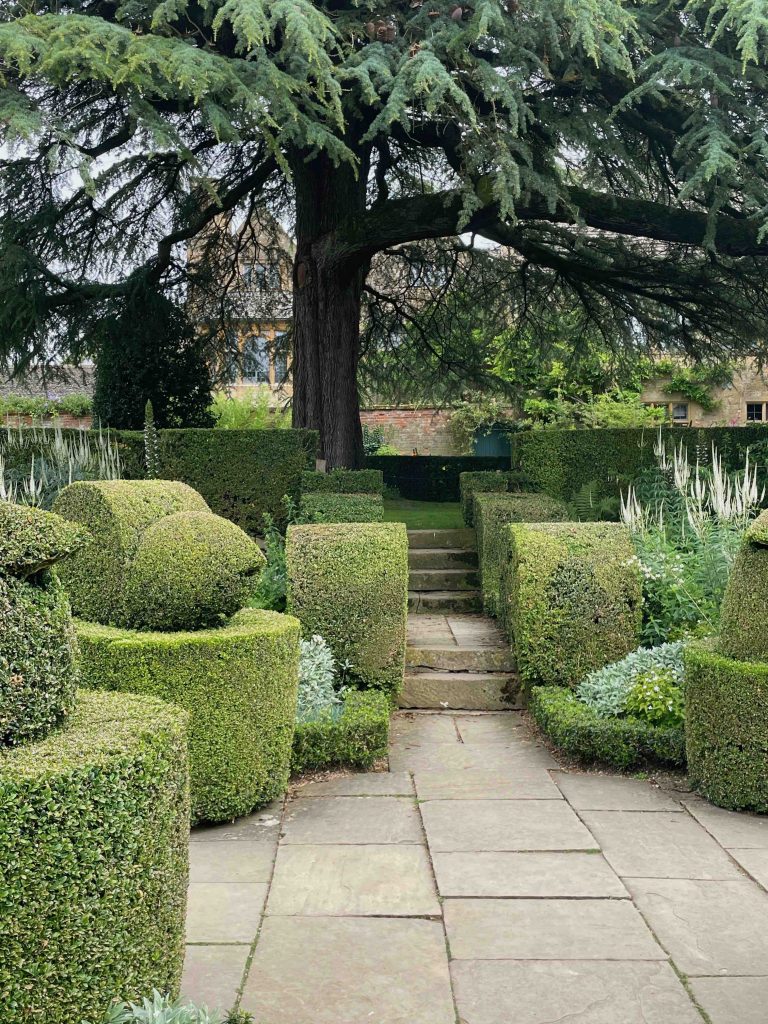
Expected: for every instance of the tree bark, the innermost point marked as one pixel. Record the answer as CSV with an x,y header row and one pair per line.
x,y
327,290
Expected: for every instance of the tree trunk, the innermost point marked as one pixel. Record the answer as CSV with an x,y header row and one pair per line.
x,y
326,311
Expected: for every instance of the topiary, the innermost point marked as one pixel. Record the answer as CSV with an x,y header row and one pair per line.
x,y
38,650
744,613
190,570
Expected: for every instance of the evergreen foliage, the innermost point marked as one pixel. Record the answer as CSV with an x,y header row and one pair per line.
x,y
616,150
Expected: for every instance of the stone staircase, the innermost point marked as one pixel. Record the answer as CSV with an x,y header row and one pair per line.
x,y
456,657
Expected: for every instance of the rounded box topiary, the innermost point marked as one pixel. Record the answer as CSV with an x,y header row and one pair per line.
x,y
239,684
348,582
38,651
94,823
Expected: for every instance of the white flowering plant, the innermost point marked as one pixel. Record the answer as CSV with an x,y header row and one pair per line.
x,y
657,697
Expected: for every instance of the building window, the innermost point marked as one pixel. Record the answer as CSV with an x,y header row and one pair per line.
x,y
754,412
260,276
680,412
256,360
281,358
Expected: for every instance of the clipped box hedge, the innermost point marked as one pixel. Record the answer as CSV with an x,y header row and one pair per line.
x,y
431,477
239,684
94,827
348,582
328,507
571,598
355,738
579,732
484,481
726,715
492,514
343,481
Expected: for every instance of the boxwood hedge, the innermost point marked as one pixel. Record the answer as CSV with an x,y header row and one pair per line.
x,y
356,738
94,826
571,598
481,481
343,481
238,683
580,733
348,583
744,614
492,513
726,715
326,507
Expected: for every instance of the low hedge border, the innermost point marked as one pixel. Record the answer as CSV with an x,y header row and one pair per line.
x,y
580,733
492,514
343,481
348,582
485,481
571,598
94,828
726,714
356,738
239,684
329,507
431,477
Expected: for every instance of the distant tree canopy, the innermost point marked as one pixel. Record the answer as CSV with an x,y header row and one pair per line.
x,y
616,150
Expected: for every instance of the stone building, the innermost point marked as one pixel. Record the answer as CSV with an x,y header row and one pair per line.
x,y
744,400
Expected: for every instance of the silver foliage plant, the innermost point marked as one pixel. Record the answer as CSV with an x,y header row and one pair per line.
x,y
159,1009
606,689
54,460
318,675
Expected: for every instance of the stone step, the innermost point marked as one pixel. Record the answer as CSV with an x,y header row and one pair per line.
x,y
459,538
440,602
460,659
443,579
442,558
461,691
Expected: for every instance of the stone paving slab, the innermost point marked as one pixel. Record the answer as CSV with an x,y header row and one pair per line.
x,y
566,875
415,729
614,793
487,784
385,881
224,911
658,845
244,861
487,825
508,727
731,829
363,784
349,971
443,756
576,992
212,975
755,863
263,826
710,928
548,929
733,1000
352,819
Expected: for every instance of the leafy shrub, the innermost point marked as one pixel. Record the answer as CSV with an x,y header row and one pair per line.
x,y
579,732
571,598
727,727
354,735
272,585
190,570
343,481
472,483
492,514
38,650
744,620
348,582
94,829
342,508
160,1009
248,412
75,405
238,683
317,679
606,689
373,439
657,698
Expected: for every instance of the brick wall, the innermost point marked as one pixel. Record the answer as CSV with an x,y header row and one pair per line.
x,y
426,430
64,421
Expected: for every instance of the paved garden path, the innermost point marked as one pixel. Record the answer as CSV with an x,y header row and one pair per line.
x,y
477,882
